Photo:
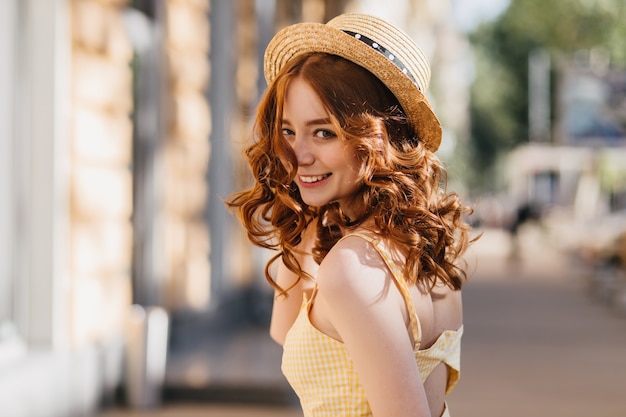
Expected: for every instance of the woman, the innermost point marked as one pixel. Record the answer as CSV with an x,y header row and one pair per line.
x,y
348,190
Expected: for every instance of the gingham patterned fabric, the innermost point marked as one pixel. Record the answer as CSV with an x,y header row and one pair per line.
x,y
322,374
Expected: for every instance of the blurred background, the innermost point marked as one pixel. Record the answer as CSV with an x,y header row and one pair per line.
x,y
126,288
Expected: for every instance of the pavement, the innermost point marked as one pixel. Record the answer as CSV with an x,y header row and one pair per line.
x,y
536,342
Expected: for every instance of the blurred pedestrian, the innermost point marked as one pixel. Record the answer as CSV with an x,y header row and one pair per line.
x,y
348,190
524,214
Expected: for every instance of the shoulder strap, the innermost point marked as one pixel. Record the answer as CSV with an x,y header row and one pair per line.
x,y
398,277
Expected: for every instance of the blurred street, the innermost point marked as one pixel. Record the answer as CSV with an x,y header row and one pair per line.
x,y
536,343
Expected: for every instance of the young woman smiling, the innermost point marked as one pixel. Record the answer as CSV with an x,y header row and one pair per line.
x,y
349,192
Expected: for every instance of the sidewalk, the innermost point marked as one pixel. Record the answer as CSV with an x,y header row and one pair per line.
x,y
207,410
535,344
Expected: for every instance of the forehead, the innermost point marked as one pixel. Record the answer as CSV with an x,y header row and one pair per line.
x,y
301,100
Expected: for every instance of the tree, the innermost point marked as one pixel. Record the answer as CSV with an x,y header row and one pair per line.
x,y
499,105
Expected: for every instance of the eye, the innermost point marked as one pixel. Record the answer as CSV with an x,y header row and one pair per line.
x,y
287,132
324,134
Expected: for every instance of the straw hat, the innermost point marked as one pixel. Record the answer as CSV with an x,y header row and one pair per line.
x,y
377,46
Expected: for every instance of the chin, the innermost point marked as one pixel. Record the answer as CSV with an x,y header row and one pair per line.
x,y
316,203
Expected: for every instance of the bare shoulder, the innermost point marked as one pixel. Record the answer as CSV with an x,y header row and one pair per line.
x,y
302,255
358,304
351,260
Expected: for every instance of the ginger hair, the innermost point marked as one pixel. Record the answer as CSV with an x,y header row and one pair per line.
x,y
404,183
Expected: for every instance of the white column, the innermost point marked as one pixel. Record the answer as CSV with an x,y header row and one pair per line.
x,y
41,140
7,52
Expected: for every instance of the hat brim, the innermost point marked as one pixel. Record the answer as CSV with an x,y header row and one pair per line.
x,y
304,38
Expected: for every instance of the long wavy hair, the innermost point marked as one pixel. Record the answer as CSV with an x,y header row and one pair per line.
x,y
403,183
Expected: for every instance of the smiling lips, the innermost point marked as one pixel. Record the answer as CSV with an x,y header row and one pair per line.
x,y
311,179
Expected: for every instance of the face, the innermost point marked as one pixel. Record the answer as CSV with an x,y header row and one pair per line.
x,y
327,169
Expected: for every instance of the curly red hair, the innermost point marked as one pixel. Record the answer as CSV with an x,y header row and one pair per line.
x,y
404,183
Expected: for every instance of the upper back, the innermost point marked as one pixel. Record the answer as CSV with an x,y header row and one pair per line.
x,y
432,322
438,316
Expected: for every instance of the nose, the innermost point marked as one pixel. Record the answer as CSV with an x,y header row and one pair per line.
x,y
303,151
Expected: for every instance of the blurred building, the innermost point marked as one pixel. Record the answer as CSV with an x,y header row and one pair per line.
x,y
66,199
572,169
576,152
121,125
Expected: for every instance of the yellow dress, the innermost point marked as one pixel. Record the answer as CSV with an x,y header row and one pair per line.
x,y
320,370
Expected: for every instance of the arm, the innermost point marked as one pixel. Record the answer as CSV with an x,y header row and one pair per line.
x,y
285,309
363,304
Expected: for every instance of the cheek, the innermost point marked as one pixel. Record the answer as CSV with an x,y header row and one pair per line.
x,y
352,168
289,167
286,156
350,161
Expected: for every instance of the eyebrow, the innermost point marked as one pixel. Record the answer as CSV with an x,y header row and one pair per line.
x,y
313,122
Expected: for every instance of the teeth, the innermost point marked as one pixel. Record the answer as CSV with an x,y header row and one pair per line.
x,y
311,179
